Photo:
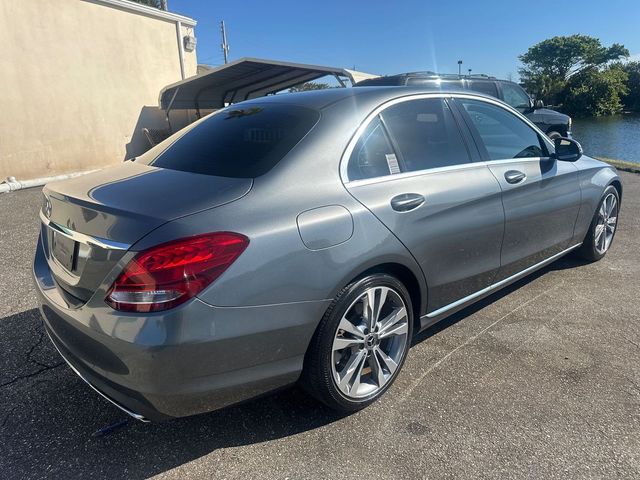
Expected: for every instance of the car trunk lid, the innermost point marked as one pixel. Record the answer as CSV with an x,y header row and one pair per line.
x,y
89,222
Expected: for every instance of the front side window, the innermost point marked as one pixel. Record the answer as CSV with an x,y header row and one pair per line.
x,y
504,135
373,155
426,134
515,96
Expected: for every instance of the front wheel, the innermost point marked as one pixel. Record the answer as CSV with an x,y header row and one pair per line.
x,y
360,344
603,226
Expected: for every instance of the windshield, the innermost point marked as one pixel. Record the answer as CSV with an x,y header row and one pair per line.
x,y
235,142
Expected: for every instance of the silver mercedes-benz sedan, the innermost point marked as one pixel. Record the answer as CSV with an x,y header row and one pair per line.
x,y
304,237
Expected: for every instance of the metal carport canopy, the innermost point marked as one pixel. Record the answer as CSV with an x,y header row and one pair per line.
x,y
245,79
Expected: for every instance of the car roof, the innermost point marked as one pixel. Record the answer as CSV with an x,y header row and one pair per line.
x,y
360,96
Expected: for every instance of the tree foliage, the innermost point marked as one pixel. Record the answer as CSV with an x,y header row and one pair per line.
x,y
631,99
150,3
308,86
562,57
576,71
596,92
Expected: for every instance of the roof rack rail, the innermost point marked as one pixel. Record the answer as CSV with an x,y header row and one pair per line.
x,y
430,74
482,75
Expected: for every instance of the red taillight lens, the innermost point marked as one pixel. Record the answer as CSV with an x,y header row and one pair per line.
x,y
169,274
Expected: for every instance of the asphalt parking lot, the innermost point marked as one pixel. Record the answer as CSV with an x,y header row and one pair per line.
x,y
541,380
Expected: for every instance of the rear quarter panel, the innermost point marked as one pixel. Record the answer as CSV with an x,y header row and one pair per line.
x,y
277,267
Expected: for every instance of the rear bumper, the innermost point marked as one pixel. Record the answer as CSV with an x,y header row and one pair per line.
x,y
189,360
100,386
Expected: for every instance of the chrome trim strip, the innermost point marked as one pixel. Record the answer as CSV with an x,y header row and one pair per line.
x,y
414,173
506,161
429,171
499,284
82,238
75,370
344,160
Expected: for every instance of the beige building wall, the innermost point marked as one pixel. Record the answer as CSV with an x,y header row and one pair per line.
x,y
78,80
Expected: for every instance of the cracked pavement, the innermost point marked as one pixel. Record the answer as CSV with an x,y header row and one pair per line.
x,y
541,380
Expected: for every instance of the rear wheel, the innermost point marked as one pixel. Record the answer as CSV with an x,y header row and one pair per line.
x,y
361,343
603,226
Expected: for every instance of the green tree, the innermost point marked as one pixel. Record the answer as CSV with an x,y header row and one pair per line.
x,y
548,65
596,92
308,86
150,3
631,100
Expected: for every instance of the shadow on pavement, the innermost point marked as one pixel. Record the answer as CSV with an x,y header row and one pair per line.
x,y
568,261
48,416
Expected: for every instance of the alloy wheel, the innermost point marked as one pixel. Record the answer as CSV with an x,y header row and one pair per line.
x,y
606,224
370,342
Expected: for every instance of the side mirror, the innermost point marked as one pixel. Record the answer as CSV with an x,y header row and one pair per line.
x,y
567,149
538,104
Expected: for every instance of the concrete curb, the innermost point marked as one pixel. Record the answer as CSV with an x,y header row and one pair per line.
x,y
11,184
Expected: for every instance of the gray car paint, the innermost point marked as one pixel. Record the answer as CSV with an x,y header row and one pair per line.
x,y
463,207
540,212
247,333
325,227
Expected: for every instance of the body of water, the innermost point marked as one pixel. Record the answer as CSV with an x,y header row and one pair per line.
x,y
616,137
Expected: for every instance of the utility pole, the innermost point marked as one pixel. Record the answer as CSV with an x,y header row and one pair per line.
x,y
225,45
459,68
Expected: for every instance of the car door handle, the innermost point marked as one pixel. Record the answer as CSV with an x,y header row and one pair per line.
x,y
514,176
406,201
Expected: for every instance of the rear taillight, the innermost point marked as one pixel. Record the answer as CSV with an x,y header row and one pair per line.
x,y
167,275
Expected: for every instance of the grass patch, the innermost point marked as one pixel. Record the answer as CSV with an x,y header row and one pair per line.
x,y
622,164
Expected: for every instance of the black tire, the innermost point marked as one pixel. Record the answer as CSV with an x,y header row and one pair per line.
x,y
317,376
588,250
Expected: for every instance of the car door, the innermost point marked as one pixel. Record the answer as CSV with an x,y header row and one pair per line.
x,y
413,169
541,196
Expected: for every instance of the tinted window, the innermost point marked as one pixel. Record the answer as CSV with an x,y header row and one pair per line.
x,y
515,96
503,134
385,81
372,155
488,88
426,134
237,142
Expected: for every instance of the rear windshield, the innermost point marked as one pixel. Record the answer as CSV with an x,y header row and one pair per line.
x,y
237,142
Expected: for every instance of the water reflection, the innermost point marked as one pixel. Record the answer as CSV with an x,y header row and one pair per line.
x,y
616,137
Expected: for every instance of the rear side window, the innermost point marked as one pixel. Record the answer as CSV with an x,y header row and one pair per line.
x,y
504,135
488,88
426,134
237,142
373,155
